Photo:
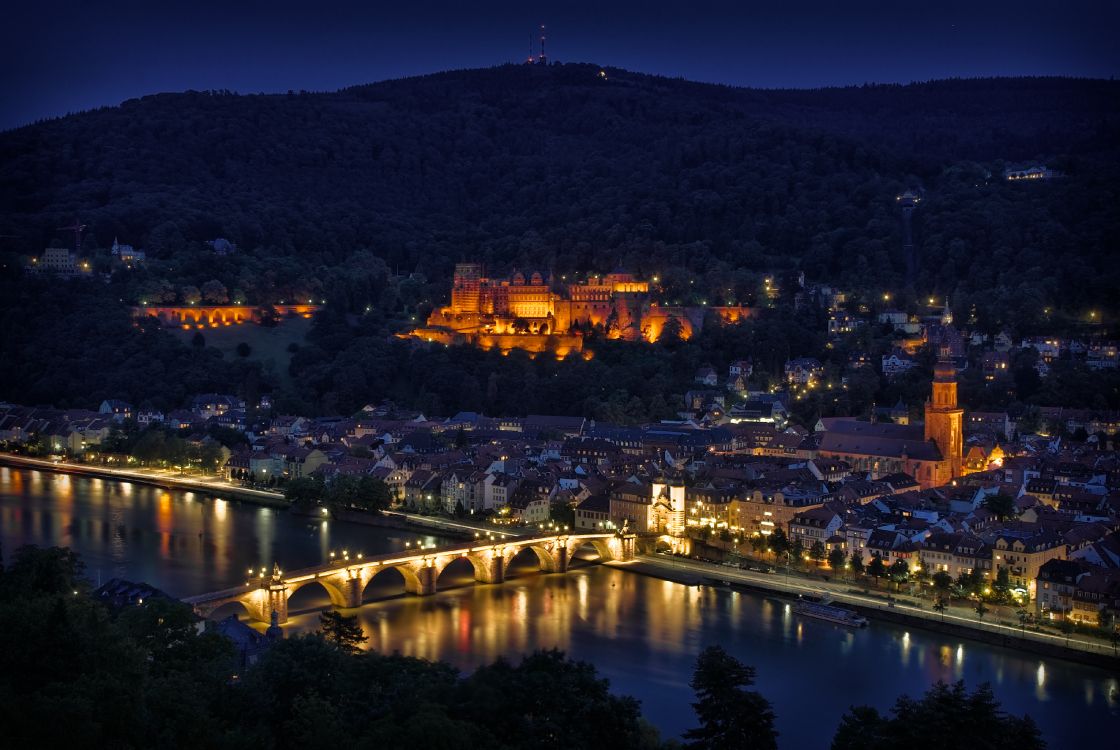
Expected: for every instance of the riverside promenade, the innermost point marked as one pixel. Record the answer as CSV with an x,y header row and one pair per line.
x,y
219,487
956,620
156,477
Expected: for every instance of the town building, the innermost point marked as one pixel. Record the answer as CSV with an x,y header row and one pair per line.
x,y
932,454
897,363
60,262
806,371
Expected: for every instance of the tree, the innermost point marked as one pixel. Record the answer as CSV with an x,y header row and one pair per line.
x,y
243,349
942,581
900,572
671,333
856,561
35,571
876,569
210,455
817,552
198,341
1002,585
836,559
214,292
1001,505
981,609
730,715
304,493
940,605
797,551
779,543
547,701
969,582
1066,626
189,295
343,632
951,709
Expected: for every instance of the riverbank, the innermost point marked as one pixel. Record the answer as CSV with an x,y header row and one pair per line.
x,y
166,480
691,572
220,488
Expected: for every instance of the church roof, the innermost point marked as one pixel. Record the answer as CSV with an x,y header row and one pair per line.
x,y
883,443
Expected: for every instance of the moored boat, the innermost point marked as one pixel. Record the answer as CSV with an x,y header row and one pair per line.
x,y
824,610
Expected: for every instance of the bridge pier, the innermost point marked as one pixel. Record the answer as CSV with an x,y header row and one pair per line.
x,y
424,583
352,592
266,599
491,569
560,559
623,548
345,584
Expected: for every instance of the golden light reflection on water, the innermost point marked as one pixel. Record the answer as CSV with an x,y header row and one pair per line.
x,y
643,631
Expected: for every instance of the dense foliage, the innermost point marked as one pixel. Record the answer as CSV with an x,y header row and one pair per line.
x,y
81,347
366,197
72,344
730,715
562,168
343,492
75,673
938,721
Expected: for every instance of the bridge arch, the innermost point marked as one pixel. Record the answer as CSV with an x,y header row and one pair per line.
x,y
337,596
476,566
229,607
546,558
601,546
410,580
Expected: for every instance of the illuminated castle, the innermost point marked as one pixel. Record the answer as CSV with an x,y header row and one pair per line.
x,y
536,314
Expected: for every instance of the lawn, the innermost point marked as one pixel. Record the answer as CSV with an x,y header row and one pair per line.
x,y
269,346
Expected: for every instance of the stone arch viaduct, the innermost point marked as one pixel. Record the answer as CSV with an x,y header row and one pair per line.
x,y
346,580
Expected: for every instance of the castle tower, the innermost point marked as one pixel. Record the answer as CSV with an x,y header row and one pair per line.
x,y
945,419
466,288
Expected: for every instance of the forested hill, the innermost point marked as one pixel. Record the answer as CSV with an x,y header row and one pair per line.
x,y
568,168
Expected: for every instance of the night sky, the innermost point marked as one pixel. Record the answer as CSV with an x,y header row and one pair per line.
x,y
59,56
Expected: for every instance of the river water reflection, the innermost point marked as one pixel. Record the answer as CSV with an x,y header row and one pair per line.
x,y
641,633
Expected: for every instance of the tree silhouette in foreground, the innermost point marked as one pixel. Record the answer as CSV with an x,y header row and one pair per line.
x,y
730,716
938,721
342,631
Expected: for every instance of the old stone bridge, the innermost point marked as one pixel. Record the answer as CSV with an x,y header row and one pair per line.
x,y
345,580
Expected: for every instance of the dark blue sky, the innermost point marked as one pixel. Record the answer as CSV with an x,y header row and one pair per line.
x,y
58,56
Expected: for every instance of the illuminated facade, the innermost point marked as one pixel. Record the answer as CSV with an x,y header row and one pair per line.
x,y
945,420
932,454
667,513
537,314
213,316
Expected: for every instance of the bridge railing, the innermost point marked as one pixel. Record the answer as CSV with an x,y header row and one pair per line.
x,y
391,558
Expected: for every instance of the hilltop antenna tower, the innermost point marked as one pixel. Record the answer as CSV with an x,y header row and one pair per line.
x,y
543,59
529,59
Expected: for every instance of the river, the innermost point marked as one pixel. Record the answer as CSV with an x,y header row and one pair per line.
x,y
641,633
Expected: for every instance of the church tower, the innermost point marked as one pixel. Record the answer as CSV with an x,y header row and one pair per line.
x,y
944,419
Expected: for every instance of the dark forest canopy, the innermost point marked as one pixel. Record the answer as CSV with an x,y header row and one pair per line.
x,y
564,168
77,671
